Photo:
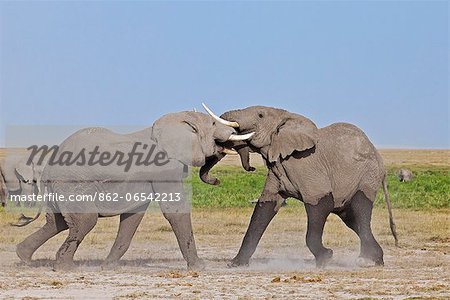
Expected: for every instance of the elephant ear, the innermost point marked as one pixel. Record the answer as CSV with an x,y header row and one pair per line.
x,y
180,141
24,171
294,134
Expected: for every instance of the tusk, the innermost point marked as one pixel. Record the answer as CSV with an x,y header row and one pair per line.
x,y
229,151
237,137
219,119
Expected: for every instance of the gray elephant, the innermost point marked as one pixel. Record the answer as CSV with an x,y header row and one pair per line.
x,y
18,176
335,169
3,190
404,175
174,142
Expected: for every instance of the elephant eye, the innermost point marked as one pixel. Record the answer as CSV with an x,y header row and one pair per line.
x,y
214,123
25,181
260,115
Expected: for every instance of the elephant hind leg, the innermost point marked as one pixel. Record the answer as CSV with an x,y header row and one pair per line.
x,y
129,223
317,216
357,216
54,225
79,225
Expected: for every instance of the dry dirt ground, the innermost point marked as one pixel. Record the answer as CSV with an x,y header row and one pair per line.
x,y
282,266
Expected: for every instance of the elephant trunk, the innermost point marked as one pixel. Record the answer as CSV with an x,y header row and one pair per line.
x,y
244,154
209,164
239,144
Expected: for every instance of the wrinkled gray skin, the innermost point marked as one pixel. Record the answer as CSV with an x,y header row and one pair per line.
x,y
404,175
194,131
17,177
243,151
335,169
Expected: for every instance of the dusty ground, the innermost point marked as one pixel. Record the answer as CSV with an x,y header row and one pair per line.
x,y
282,267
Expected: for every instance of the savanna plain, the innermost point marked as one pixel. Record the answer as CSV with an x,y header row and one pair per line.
x,y
282,266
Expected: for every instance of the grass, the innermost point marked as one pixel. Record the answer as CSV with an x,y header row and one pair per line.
x,y
237,188
430,188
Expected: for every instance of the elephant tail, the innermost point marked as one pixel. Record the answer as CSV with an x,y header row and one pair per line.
x,y
24,220
389,207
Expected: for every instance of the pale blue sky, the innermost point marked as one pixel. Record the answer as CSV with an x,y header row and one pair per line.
x,y
381,65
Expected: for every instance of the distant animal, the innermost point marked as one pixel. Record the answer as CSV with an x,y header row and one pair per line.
x,y
404,175
3,191
18,177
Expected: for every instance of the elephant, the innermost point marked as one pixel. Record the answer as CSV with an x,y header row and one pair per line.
x,y
335,169
177,140
18,177
404,175
3,191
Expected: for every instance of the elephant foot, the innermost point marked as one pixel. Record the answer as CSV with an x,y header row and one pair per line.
x,y
379,262
64,266
369,262
24,254
198,265
324,258
374,255
236,262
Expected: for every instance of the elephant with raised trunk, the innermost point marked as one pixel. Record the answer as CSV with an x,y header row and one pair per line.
x,y
174,142
335,169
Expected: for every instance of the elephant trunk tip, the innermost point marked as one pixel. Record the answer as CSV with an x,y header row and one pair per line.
x,y
209,180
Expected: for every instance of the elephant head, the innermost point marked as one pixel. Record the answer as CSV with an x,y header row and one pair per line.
x,y
277,132
19,176
195,139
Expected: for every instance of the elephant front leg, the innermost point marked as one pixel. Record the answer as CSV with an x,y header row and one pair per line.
x,y
182,227
317,216
178,213
261,217
265,209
